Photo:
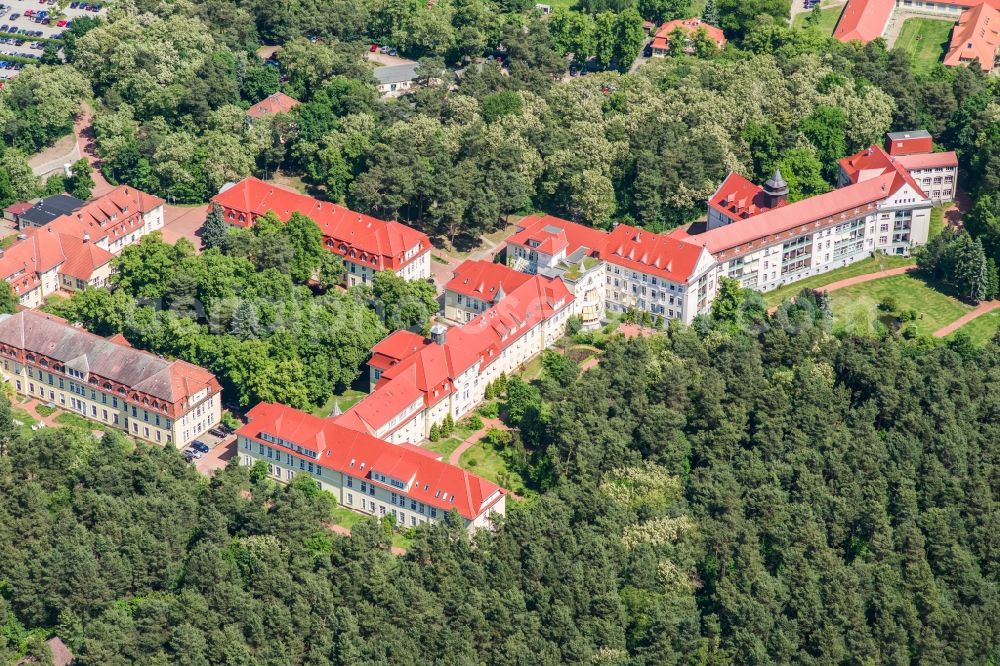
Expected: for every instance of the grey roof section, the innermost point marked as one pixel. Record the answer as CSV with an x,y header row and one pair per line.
x,y
396,73
912,134
80,349
776,184
50,208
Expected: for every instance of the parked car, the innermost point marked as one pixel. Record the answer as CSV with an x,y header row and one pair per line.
x,y
193,453
374,48
62,23
219,432
14,17
199,445
74,5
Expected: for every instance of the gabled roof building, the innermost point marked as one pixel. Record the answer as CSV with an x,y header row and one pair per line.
x,y
74,250
975,36
477,286
365,473
417,383
107,381
366,244
271,105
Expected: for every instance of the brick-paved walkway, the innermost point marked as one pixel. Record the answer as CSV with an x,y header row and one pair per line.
x,y
474,438
979,311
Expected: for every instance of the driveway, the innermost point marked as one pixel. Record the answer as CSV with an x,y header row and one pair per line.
x,y
218,457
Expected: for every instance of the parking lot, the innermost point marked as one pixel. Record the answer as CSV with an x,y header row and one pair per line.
x,y
26,24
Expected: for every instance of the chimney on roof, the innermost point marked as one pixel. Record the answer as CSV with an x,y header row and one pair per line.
x,y
126,191
438,332
775,189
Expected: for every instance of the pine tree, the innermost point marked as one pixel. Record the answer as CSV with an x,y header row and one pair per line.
x,y
710,14
972,275
213,233
246,323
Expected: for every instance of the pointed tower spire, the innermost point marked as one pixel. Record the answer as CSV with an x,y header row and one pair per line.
x,y
336,408
776,189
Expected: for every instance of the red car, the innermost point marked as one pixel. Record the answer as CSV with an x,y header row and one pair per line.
x,y
374,48
62,23
29,12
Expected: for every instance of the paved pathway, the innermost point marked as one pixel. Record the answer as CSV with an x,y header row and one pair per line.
x,y
979,311
84,132
867,277
858,279
474,438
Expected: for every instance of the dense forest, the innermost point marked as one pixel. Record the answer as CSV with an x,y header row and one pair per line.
x,y
750,490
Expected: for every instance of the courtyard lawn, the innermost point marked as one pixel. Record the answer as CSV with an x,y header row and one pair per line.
x,y
483,460
981,329
346,400
936,223
346,518
856,308
25,419
863,267
828,19
445,446
926,40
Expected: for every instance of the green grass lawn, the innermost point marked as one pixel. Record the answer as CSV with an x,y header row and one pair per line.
x,y
863,267
532,370
828,19
982,329
76,421
346,518
26,420
346,400
485,461
856,308
444,447
926,40
936,223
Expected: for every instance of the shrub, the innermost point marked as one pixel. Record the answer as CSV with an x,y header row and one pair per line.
x,y
490,410
474,422
889,304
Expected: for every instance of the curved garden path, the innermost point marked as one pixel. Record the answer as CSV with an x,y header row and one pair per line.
x,y
979,311
474,438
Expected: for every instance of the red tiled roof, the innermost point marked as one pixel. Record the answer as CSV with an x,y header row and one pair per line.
x,y
976,35
354,453
662,39
279,102
801,212
874,161
863,20
738,198
22,263
431,369
919,161
549,234
665,256
112,216
359,238
396,347
83,258
485,280
18,208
